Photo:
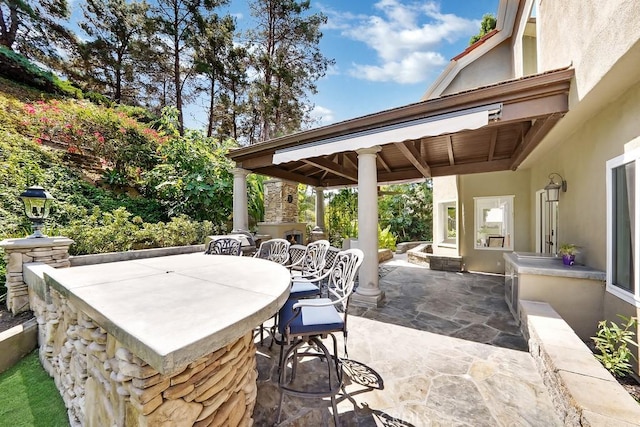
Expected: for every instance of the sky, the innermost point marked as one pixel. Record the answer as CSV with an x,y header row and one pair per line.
x,y
387,53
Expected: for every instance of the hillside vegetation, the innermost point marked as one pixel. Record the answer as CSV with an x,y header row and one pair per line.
x,y
120,178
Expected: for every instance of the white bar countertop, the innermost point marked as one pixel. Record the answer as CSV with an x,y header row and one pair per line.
x,y
171,310
550,265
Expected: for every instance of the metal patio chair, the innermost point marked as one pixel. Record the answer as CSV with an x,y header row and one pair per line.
x,y
311,265
224,246
276,250
308,321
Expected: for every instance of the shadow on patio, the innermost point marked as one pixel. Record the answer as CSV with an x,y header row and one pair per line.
x,y
442,350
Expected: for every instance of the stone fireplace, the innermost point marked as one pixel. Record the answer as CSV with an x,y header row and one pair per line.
x,y
281,212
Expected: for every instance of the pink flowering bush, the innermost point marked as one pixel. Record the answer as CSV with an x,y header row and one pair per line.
x,y
122,143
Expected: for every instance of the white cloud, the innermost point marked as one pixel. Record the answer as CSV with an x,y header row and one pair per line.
x,y
322,115
410,69
405,36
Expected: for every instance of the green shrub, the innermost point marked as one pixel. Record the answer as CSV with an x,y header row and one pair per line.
x,y
612,343
386,239
118,231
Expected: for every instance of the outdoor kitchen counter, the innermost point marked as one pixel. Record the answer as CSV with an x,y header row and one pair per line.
x,y
549,265
575,292
169,311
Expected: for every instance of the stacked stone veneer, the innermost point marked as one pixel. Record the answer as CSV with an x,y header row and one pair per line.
x,y
53,251
103,384
276,205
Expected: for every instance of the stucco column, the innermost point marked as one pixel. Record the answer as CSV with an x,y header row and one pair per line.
x,y
240,205
320,208
368,290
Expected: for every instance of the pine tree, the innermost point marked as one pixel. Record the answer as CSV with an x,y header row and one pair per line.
x,y
111,59
287,62
36,29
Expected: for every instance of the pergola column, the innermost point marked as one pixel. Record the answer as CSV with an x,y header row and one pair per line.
x,y
320,208
240,205
368,290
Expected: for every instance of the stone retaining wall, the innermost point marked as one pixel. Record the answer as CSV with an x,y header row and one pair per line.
x,y
583,392
103,383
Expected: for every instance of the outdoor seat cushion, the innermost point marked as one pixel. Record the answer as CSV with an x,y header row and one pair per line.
x,y
312,320
303,290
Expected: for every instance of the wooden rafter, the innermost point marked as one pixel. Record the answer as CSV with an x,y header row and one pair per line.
x,y
411,153
352,159
492,146
281,173
535,134
332,167
452,160
380,159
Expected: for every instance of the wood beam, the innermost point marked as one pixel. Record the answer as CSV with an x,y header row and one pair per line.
x,y
477,167
452,159
351,158
284,174
492,147
533,137
385,164
332,167
411,153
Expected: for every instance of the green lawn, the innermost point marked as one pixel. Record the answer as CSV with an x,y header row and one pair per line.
x,y
28,396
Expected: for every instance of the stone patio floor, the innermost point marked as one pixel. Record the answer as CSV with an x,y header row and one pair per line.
x,y
443,350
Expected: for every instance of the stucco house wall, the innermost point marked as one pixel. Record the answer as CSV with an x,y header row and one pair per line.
x,y
601,41
445,190
590,35
488,69
504,183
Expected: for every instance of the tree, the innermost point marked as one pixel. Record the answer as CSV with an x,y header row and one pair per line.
x,y
178,20
287,62
34,29
408,211
487,25
111,58
218,60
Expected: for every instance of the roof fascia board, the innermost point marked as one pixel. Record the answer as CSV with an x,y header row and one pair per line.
x,y
507,12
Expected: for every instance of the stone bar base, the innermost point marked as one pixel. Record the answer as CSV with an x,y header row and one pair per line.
x,y
103,383
53,251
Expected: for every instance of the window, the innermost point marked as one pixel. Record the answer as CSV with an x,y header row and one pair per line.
x,y
449,223
622,259
494,223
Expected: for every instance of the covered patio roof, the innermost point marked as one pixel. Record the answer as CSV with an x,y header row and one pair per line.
x,y
487,129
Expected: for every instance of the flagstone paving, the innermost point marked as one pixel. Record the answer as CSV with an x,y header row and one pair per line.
x,y
442,351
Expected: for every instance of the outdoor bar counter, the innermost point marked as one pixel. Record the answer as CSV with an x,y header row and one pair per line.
x,y
575,292
156,341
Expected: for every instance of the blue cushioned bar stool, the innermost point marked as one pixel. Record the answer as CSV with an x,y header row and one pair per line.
x,y
303,323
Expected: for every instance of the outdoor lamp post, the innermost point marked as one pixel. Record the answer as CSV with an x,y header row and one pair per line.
x,y
553,188
37,203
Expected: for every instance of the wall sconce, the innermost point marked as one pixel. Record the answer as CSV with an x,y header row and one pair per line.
x,y
37,203
553,188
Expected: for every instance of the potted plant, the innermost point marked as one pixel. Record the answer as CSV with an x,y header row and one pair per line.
x,y
568,252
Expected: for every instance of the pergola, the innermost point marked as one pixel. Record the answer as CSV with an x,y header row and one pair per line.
x,y
492,128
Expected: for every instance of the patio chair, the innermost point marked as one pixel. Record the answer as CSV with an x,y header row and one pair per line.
x,y
311,266
224,246
276,250
296,254
309,321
